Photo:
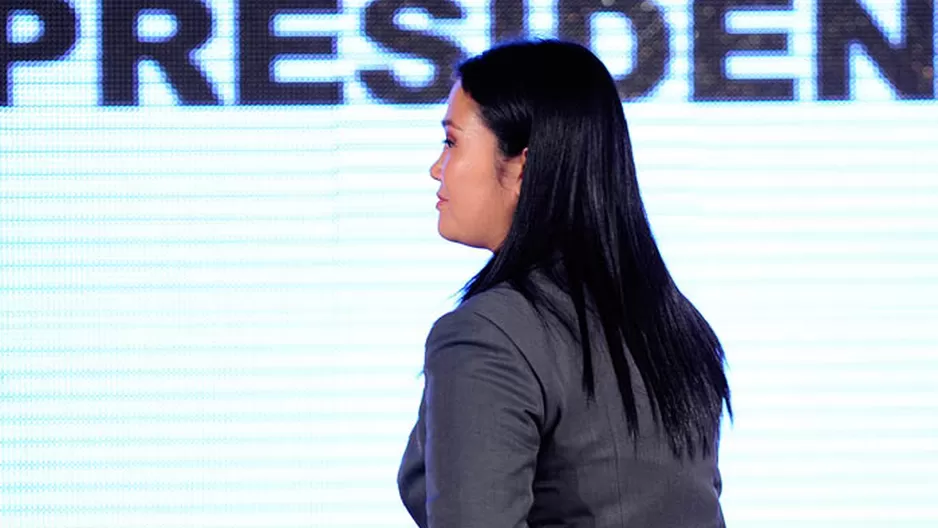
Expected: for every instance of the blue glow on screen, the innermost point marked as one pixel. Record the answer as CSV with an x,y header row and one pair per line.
x,y
214,315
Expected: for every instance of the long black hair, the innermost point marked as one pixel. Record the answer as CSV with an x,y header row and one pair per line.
x,y
580,218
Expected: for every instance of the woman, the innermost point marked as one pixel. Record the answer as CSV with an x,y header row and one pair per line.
x,y
574,385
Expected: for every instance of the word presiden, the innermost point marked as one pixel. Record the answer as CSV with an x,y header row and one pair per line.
x,y
907,66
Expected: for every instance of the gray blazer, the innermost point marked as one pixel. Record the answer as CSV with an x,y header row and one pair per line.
x,y
505,438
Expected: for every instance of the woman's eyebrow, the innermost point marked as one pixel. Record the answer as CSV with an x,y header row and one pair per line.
x,y
450,123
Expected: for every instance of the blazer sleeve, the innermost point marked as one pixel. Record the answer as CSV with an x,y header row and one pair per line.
x,y
483,416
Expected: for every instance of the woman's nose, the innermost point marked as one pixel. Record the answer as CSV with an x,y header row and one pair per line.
x,y
436,168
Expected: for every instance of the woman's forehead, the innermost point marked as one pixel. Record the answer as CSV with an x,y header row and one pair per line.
x,y
461,110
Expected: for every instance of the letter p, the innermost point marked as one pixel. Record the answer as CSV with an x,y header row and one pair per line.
x,y
57,32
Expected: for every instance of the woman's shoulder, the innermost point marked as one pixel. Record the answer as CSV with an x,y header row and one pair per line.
x,y
485,331
502,306
500,317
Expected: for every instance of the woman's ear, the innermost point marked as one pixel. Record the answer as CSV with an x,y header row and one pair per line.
x,y
513,172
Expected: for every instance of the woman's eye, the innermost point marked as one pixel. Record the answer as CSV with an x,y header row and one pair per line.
x,y
448,142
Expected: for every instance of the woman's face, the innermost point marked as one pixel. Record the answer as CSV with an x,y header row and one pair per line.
x,y
478,188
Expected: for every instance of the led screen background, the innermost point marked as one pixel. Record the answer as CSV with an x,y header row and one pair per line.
x,y
212,311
